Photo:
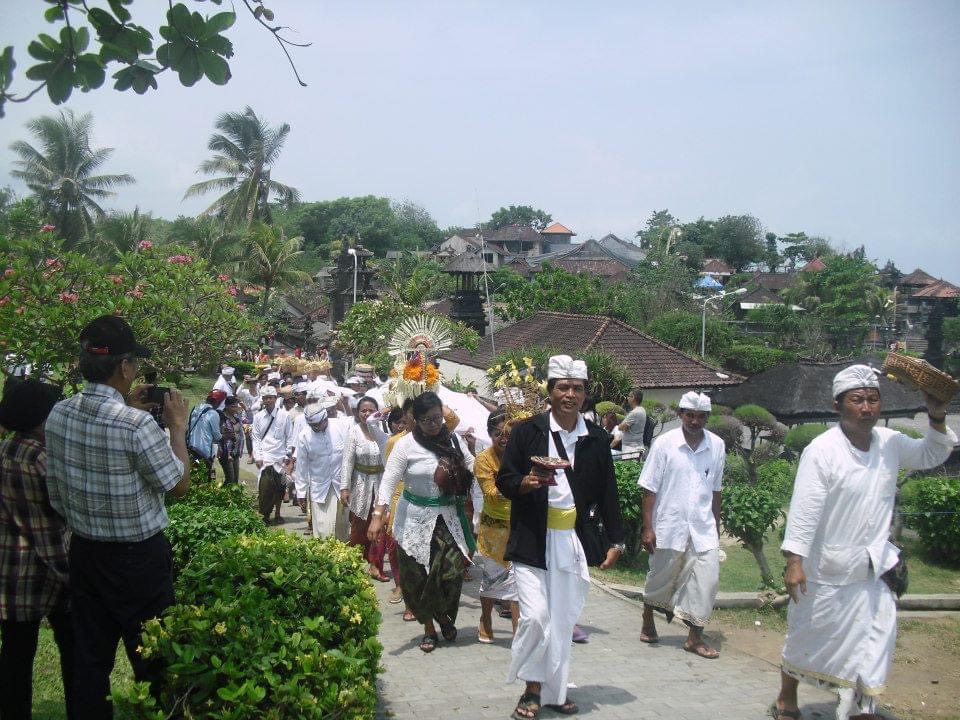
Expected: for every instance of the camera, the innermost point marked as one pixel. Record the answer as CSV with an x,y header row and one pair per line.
x,y
156,394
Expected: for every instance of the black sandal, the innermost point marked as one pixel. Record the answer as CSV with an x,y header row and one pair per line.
x,y
524,704
429,642
449,631
777,713
568,708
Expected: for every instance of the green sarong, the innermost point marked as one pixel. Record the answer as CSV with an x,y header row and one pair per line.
x,y
434,593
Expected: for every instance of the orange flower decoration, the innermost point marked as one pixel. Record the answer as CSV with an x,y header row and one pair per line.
x,y
432,374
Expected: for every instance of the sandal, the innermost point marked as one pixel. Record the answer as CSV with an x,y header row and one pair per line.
x,y
396,596
481,637
449,631
505,612
568,708
776,713
528,707
408,616
429,642
700,649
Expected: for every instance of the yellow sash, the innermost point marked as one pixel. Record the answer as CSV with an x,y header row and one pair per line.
x,y
560,519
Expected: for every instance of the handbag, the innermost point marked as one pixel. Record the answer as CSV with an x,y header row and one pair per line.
x,y
896,578
590,530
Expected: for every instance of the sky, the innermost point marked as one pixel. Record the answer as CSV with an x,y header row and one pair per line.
x,y
840,119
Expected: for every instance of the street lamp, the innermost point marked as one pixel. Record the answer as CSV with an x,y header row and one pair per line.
x,y
353,251
703,325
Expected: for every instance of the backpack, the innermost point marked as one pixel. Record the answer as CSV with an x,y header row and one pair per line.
x,y
648,431
196,454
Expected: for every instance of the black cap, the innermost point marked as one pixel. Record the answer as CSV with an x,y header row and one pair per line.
x,y
26,404
110,335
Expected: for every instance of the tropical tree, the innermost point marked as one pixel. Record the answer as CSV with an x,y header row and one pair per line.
x,y
271,260
61,172
414,280
222,249
246,149
121,232
519,215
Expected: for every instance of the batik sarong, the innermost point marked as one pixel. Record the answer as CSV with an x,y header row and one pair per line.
x,y
434,593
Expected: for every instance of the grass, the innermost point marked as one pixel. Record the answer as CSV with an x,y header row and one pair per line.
x,y
47,684
739,573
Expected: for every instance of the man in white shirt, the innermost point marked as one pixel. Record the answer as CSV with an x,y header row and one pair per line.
x,y
319,456
681,524
226,383
249,395
842,625
272,446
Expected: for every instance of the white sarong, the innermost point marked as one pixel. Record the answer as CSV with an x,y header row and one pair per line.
x,y
550,603
497,582
683,583
843,636
330,518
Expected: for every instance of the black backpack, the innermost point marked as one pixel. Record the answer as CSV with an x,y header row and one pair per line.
x,y
648,431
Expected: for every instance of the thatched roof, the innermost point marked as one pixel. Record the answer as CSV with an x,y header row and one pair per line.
x,y
801,392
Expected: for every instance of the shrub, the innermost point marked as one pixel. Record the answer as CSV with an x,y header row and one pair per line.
x,y
777,476
631,503
193,527
933,510
799,437
753,359
748,512
729,428
735,469
242,367
269,627
605,406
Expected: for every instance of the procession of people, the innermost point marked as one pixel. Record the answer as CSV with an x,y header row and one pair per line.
x,y
430,484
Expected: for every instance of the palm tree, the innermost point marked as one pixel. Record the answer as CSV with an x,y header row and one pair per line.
x,y
245,151
61,172
222,249
121,232
271,259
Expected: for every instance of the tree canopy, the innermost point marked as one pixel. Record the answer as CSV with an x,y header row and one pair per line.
x,y
519,215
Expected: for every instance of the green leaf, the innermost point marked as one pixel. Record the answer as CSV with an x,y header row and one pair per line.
x,y
50,43
41,71
189,68
218,44
179,17
81,39
220,22
214,67
53,14
7,65
123,15
60,85
90,70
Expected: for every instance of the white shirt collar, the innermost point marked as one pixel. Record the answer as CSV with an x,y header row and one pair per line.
x,y
579,430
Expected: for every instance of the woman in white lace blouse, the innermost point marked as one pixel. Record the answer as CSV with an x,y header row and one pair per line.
x,y
360,479
433,535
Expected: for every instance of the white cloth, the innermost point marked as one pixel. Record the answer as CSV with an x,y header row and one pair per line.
x,y
496,581
853,377
272,445
560,495
223,385
550,602
566,368
319,458
413,525
684,583
471,412
684,481
362,484
328,518
632,437
841,508
698,402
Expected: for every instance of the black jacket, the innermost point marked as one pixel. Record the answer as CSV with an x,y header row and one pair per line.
x,y
593,481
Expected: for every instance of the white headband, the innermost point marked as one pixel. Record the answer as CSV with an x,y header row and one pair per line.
x,y
268,391
227,371
699,402
314,414
564,366
853,377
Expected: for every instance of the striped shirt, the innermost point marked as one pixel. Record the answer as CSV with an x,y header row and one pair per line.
x,y
33,552
108,466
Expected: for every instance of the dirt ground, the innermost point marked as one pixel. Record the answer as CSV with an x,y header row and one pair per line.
x,y
924,682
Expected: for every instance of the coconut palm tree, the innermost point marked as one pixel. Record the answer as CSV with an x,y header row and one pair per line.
x,y
221,248
246,148
271,259
121,232
61,172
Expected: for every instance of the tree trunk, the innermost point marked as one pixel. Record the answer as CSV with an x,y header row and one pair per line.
x,y
765,574
266,298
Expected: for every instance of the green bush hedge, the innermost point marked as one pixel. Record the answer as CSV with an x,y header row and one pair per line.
x,y
799,437
933,510
243,367
631,502
193,527
270,626
752,359
777,476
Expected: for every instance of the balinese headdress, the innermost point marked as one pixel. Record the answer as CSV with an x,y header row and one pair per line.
x,y
414,345
518,388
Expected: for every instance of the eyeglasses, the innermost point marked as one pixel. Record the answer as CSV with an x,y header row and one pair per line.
x,y
431,421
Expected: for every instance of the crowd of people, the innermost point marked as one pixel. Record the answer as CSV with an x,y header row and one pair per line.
x,y
527,499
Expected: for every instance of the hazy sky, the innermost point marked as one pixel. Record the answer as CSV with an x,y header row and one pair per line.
x,y
837,118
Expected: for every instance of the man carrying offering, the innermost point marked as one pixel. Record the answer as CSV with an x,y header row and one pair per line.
x,y
550,513
681,524
842,625
272,447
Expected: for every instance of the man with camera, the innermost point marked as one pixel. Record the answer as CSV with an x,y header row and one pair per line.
x,y
109,466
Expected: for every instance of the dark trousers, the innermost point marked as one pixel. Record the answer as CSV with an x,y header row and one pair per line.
x,y
18,647
116,587
231,470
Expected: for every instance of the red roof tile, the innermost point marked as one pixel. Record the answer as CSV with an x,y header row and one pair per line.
x,y
938,289
557,229
813,265
651,363
917,277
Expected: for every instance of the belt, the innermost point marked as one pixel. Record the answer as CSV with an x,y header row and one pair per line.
x,y
561,519
444,501
368,469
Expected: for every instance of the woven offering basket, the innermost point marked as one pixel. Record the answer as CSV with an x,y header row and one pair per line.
x,y
921,375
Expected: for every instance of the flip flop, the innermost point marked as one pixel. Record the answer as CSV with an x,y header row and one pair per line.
x,y
429,643
700,649
524,703
776,713
484,639
408,616
568,708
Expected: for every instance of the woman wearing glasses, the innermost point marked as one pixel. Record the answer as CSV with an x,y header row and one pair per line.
x,y
433,535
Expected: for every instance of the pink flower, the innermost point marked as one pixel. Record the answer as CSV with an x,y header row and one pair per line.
x,y
241,306
233,291
20,310
46,228
9,272
4,300
222,277
53,263
145,245
180,259
115,279
135,293
69,298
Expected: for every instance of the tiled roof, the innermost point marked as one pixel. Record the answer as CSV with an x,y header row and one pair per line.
x,y
774,281
651,363
513,233
938,289
628,252
813,265
761,296
609,269
715,266
467,262
557,229
917,277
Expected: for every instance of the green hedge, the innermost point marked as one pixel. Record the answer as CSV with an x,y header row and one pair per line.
x,y
933,510
631,502
753,359
777,476
193,527
799,437
270,626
